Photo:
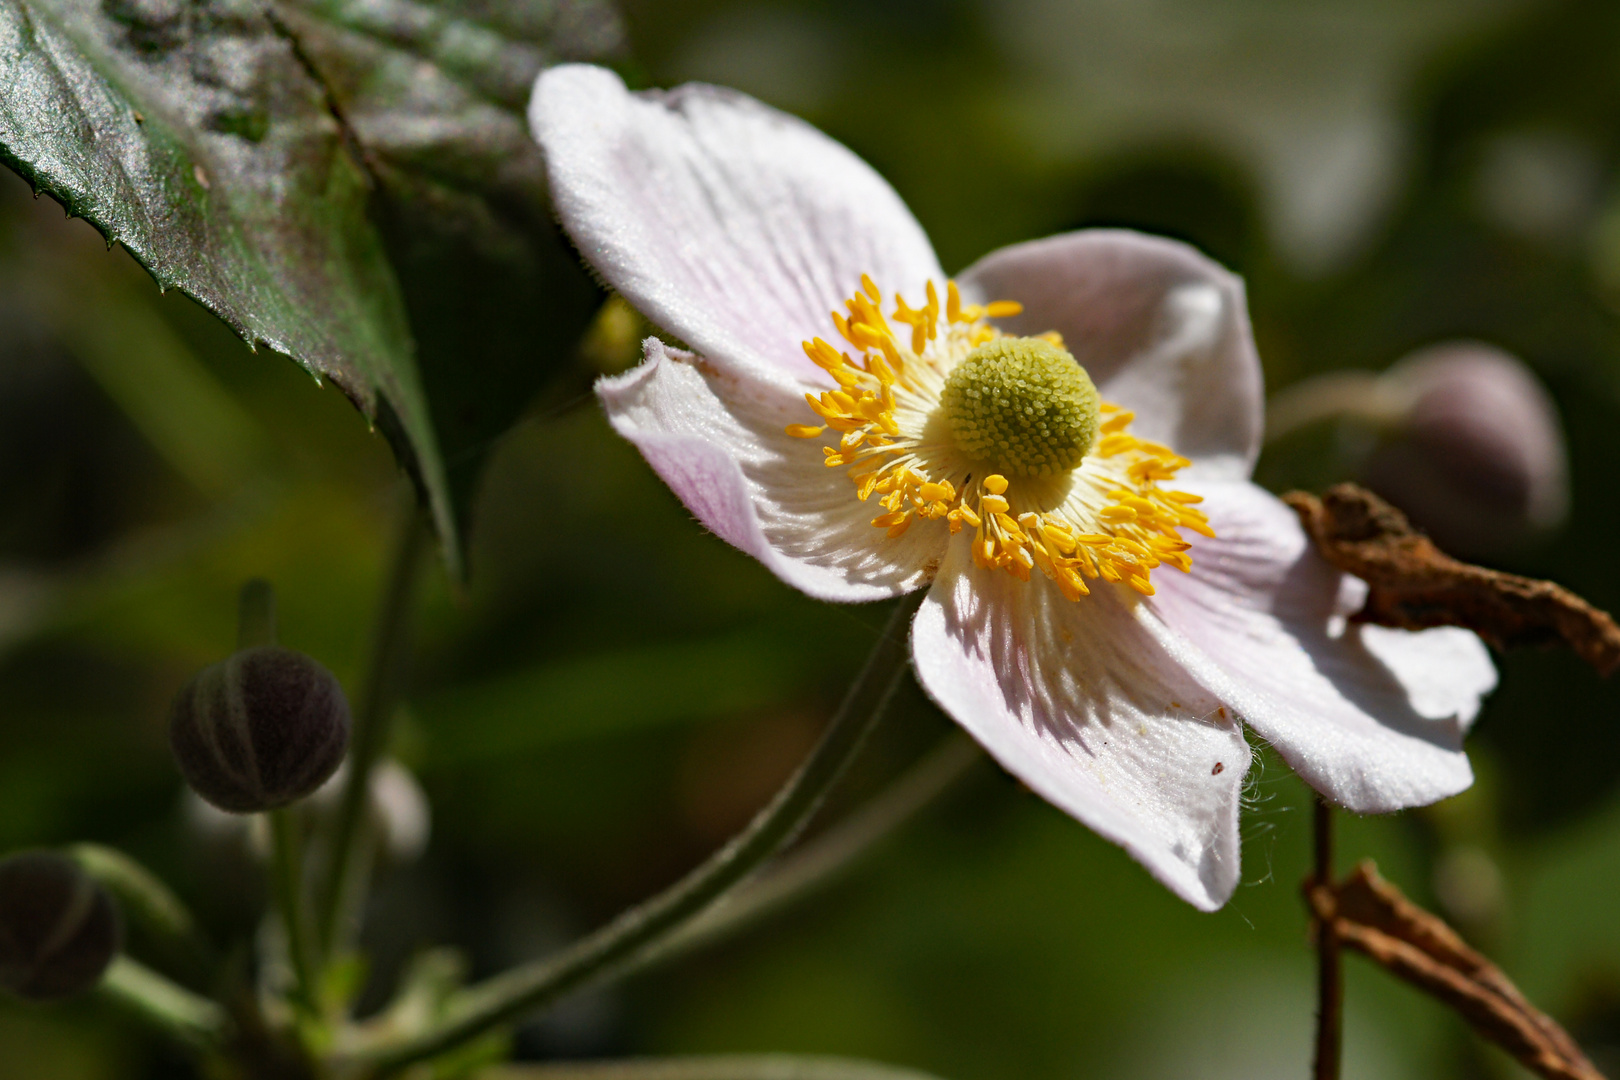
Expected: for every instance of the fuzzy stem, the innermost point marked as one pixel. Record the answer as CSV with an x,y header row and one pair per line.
x,y
720,1067
608,951
819,861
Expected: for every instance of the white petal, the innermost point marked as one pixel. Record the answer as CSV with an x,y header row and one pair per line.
x,y
1372,718
716,438
734,227
1161,329
1078,702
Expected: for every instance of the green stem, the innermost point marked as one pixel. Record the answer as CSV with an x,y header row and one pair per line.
x,y
373,729
186,1017
607,951
148,902
287,878
819,862
256,615
720,1067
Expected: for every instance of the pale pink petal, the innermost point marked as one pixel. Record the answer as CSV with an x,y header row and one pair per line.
x,y
717,439
734,227
1161,329
1372,718
1081,704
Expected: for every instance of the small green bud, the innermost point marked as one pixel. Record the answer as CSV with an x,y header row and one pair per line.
x,y
1024,405
58,928
262,729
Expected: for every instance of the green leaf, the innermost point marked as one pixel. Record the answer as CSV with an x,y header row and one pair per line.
x,y
350,184
196,137
435,94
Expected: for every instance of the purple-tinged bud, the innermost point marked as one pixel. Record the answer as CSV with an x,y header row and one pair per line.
x,y
58,928
260,730
1476,457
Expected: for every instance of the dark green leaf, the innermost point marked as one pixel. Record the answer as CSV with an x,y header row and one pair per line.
x,y
349,183
195,135
435,94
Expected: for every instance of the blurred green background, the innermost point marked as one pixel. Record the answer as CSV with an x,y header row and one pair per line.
x,y
616,691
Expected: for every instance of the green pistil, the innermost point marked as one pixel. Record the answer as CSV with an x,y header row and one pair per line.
x,y
1023,405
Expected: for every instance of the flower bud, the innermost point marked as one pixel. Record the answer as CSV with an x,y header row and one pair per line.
x,y
262,729
1476,457
58,928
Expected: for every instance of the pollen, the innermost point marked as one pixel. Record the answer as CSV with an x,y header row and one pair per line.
x,y
1024,405
941,421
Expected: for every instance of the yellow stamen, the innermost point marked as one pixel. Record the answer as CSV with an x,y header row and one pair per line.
x,y
876,409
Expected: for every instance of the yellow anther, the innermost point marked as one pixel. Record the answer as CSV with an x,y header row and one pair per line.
x,y
871,289
843,327
824,355
1117,513
804,431
995,484
953,302
1003,309
1118,421
993,504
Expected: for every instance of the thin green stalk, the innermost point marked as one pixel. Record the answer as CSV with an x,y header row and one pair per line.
x,y
256,615
255,626
185,1017
719,1067
287,879
148,902
607,951
348,865
820,861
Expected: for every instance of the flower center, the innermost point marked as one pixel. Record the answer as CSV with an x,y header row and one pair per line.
x,y
1024,405
930,424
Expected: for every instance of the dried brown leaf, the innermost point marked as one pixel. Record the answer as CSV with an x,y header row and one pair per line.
x,y
1366,913
1414,585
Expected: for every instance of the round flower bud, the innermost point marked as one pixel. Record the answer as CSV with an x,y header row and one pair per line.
x,y
260,730
58,928
1476,457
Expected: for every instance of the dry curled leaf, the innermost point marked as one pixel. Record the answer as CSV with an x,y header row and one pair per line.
x,y
1414,585
1366,913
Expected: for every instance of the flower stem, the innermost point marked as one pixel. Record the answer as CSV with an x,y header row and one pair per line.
x,y
256,615
1329,976
819,861
147,900
608,951
373,728
186,1017
720,1067
286,872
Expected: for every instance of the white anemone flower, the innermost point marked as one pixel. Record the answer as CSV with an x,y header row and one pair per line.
x,y
1057,445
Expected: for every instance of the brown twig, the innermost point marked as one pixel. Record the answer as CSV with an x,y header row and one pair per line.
x,y
1329,973
1366,913
1414,585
